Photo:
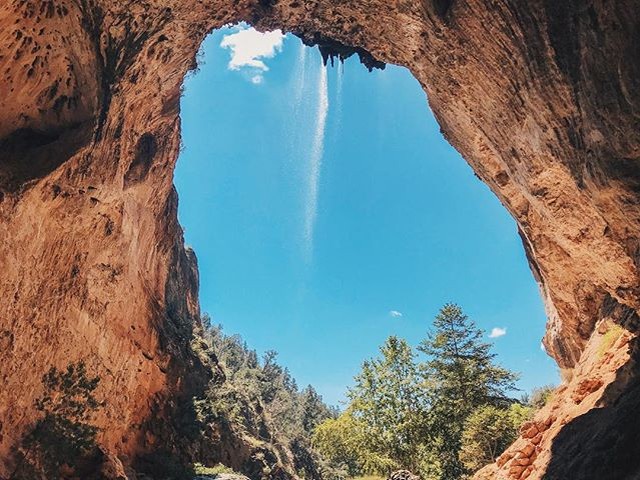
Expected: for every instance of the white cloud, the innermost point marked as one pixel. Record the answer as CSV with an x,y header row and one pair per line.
x,y
249,48
497,332
395,314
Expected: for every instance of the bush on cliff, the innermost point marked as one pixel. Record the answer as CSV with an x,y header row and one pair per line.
x,y
64,439
488,431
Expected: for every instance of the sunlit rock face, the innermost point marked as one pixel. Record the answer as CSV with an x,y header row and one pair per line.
x,y
540,97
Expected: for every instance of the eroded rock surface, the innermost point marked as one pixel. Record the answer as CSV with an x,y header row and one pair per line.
x,y
540,97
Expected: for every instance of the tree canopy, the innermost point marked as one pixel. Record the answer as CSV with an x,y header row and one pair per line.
x,y
424,410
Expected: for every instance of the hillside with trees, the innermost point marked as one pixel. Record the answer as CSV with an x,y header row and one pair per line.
x,y
442,410
260,404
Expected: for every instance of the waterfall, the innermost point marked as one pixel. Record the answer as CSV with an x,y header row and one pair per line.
x,y
297,117
339,74
315,162
299,74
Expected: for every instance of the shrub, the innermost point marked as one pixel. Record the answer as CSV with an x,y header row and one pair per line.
x,y
64,436
609,339
488,431
541,396
218,469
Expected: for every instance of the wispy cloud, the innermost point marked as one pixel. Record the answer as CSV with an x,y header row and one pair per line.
x,y
497,332
249,48
395,314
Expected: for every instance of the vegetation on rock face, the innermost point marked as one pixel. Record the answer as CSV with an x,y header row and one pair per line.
x,y
541,396
63,441
488,431
614,332
441,410
260,400
218,469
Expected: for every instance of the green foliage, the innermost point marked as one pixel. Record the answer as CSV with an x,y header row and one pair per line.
x,y
520,413
488,431
342,441
388,399
368,477
609,339
440,415
218,469
260,399
313,410
64,436
411,413
462,376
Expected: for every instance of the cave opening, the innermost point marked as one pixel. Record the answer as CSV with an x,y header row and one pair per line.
x,y
328,212
319,229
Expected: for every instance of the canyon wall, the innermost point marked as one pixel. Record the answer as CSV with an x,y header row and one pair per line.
x,y
540,97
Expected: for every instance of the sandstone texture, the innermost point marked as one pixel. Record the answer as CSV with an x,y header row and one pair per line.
x,y
541,97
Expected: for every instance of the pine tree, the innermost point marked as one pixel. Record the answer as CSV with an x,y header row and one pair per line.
x,y
462,376
313,409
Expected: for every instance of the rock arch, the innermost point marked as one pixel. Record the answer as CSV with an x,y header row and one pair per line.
x,y
540,97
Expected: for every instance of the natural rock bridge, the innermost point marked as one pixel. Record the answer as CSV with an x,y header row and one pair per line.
x,y
541,97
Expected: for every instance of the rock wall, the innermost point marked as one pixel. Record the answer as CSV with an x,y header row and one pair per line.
x,y
540,97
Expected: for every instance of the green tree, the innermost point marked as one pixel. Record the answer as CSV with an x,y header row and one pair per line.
x,y
488,431
313,410
422,416
390,401
273,376
344,443
64,436
461,375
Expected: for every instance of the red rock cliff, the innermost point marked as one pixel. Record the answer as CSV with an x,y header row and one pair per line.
x,y
540,97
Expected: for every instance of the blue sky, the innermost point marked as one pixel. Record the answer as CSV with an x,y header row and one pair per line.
x,y
327,213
